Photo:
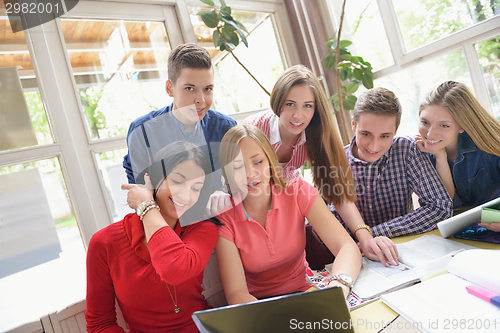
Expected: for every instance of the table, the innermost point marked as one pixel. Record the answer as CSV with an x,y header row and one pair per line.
x,y
372,317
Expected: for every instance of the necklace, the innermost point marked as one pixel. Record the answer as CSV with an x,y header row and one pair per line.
x,y
176,309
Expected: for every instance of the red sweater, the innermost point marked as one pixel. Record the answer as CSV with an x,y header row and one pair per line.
x,y
119,265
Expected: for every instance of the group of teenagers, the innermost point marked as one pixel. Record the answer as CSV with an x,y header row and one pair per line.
x,y
199,181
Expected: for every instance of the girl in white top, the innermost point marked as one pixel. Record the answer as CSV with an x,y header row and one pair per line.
x,y
300,126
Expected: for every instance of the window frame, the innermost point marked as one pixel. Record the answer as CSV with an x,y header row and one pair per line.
x,y
75,150
463,39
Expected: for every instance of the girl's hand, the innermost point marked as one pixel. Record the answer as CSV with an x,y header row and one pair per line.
x,y
439,154
420,143
495,226
138,193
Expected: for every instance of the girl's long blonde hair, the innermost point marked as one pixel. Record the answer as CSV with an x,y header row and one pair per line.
x,y
459,100
229,149
330,168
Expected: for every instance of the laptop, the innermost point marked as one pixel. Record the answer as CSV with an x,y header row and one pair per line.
x,y
313,311
462,221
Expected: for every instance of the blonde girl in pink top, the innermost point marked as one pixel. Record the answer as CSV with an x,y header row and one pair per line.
x,y
261,244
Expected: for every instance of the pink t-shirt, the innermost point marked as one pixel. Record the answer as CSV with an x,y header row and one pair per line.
x,y
273,257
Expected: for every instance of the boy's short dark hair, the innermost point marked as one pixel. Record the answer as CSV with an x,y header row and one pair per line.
x,y
187,56
379,101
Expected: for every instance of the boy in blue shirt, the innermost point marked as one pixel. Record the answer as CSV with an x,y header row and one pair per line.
x,y
189,118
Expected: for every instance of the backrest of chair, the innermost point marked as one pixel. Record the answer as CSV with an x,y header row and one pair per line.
x,y
72,319
212,284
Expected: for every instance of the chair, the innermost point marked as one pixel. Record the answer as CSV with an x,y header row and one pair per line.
x,y
212,284
72,319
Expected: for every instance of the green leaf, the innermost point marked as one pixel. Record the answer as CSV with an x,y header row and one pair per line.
x,y
234,39
226,11
230,36
223,4
348,105
345,57
344,51
367,72
241,26
216,38
358,74
208,19
352,99
355,60
223,46
344,73
352,88
208,2
243,38
329,43
230,46
333,98
345,43
330,61
367,82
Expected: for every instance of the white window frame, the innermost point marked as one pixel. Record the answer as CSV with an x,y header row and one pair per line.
x,y
73,147
463,39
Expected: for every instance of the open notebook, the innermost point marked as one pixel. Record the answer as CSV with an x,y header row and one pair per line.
x,y
442,303
319,310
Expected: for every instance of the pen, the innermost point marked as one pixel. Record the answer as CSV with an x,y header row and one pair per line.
x,y
484,294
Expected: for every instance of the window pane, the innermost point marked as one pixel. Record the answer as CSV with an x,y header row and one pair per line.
x,y
23,122
488,52
410,85
424,21
113,175
235,90
46,286
363,26
120,69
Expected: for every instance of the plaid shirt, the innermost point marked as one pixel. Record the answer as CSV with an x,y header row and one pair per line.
x,y
385,187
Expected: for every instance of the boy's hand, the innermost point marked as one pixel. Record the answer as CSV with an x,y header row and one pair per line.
x,y
381,249
219,202
494,226
138,193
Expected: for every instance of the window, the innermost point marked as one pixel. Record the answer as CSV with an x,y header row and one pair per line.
x,y
488,53
23,121
429,41
120,69
263,58
424,21
363,26
411,84
81,80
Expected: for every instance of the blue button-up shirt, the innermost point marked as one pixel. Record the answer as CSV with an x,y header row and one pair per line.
x,y
385,188
476,174
150,133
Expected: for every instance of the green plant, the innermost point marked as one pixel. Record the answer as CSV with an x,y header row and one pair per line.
x,y
228,31
353,71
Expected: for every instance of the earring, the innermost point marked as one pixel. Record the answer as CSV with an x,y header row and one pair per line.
x,y
461,131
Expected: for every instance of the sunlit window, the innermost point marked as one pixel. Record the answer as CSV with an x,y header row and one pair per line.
x,y
120,69
235,90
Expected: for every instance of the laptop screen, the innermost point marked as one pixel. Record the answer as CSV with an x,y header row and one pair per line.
x,y
319,310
